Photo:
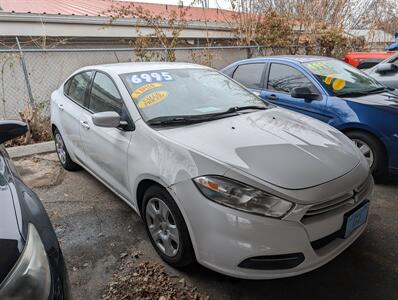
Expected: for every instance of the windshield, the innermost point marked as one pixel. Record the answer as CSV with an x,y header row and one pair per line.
x,y
341,79
186,92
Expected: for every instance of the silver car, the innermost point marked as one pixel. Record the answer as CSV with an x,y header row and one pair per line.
x,y
217,175
386,72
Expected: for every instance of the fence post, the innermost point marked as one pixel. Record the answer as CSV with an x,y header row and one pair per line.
x,y
25,71
165,54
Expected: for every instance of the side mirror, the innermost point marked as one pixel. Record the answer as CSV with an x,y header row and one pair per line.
x,y
11,129
109,119
303,92
385,68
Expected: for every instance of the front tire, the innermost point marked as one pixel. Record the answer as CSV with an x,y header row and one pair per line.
x,y
63,154
166,227
372,149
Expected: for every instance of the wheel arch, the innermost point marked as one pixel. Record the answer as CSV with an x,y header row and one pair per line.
x,y
368,131
142,187
53,127
148,181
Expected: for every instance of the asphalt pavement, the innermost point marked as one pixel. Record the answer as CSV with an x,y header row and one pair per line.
x,y
96,230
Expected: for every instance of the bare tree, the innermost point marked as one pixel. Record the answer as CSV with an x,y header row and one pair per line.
x,y
247,16
166,29
307,26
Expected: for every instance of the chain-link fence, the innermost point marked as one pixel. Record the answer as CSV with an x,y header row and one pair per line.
x,y
46,69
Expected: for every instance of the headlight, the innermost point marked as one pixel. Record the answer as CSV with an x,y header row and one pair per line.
x,y
242,197
30,278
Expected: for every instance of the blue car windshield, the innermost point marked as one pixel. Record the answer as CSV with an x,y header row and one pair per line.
x,y
195,92
342,79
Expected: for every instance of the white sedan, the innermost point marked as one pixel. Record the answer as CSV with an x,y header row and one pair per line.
x,y
217,175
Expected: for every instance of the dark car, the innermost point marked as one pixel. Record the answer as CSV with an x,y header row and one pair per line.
x,y
31,261
386,72
333,92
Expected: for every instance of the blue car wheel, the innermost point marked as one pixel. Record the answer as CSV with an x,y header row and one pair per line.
x,y
372,149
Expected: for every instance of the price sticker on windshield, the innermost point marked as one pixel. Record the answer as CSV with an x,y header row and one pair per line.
x,y
149,77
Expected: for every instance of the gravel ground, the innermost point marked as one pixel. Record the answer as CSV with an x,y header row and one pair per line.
x,y
107,251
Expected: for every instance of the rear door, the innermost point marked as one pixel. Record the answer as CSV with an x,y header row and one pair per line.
x,y
67,108
106,148
251,75
281,79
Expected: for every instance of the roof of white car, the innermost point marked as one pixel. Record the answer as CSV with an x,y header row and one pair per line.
x,y
122,68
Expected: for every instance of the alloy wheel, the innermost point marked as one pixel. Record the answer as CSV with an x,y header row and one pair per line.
x,y
365,150
59,146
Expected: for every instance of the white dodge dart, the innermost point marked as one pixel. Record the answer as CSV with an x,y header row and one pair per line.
x,y
218,176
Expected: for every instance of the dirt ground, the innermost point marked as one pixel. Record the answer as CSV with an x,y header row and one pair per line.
x,y
101,236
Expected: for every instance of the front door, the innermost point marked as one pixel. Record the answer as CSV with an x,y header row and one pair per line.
x,y
281,79
106,148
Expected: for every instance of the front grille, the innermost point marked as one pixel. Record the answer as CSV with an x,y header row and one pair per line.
x,y
322,242
352,198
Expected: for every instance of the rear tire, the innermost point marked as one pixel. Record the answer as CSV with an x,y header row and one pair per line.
x,y
63,154
372,149
166,227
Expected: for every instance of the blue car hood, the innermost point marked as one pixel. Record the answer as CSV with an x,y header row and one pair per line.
x,y
386,99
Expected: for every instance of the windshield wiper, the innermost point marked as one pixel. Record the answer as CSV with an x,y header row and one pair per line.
x,y
170,120
364,93
239,108
377,90
352,94
186,120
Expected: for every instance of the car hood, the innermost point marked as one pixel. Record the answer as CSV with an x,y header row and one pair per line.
x,y
387,100
283,148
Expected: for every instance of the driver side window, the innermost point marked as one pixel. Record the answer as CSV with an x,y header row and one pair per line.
x,y
283,78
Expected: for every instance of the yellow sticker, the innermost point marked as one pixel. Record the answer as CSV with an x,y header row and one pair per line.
x,y
328,79
338,84
152,99
138,92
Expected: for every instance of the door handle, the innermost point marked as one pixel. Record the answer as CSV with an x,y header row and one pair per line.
x,y
272,97
85,124
60,106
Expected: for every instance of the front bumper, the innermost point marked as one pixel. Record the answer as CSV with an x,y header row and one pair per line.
x,y
223,237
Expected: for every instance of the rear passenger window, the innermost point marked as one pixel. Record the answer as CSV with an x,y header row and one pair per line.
x,y
76,87
104,95
249,75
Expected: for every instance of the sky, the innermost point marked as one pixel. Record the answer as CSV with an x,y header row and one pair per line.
x,y
225,4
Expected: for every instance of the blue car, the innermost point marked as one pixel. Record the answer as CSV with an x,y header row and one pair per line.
x,y
333,92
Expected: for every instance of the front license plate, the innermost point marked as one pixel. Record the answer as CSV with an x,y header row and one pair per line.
x,y
355,219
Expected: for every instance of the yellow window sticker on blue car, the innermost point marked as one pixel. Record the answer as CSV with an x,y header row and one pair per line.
x,y
328,79
153,98
141,90
338,84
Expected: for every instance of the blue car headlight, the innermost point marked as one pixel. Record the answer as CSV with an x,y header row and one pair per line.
x,y
31,276
242,197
